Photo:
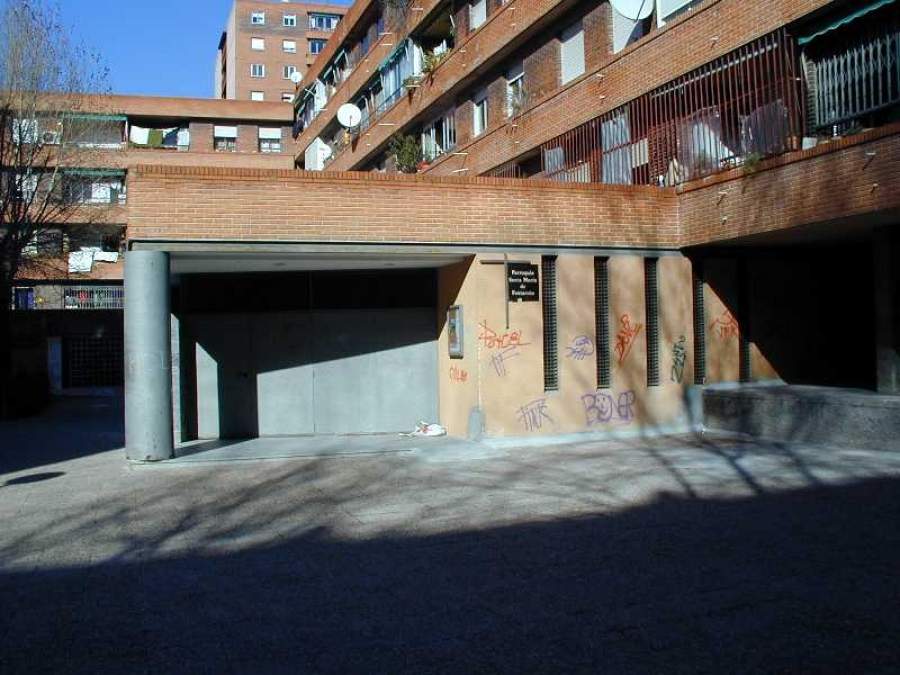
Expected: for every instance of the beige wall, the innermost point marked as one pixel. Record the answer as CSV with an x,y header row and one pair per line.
x,y
502,370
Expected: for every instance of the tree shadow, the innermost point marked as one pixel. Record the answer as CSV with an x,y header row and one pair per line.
x,y
653,555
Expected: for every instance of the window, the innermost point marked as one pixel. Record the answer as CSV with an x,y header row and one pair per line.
x,y
572,52
477,13
287,71
44,243
289,46
601,321
651,305
287,97
515,90
269,139
258,18
93,188
257,96
325,22
23,298
699,324
548,302
257,70
480,114
257,44
439,136
224,138
316,46
289,20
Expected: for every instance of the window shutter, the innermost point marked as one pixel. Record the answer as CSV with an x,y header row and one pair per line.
x,y
651,304
270,133
548,297
601,321
224,132
572,52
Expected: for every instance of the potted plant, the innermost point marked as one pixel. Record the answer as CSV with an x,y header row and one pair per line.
x,y
407,153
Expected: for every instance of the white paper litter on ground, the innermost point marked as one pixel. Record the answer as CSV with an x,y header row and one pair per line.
x,y
427,429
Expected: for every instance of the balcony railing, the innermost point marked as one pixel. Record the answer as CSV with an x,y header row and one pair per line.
x,y
94,297
743,106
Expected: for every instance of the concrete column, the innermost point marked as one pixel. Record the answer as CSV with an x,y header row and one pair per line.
x,y
887,312
148,357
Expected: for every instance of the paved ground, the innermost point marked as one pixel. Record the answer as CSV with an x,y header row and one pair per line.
x,y
675,555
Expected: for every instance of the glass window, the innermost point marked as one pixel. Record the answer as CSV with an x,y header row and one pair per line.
x,y
257,70
289,46
287,71
480,115
268,145
224,144
325,22
572,52
257,96
515,90
287,97
316,46
257,44
258,18
477,13
289,20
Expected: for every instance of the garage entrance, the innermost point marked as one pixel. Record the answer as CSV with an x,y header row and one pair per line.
x,y
312,352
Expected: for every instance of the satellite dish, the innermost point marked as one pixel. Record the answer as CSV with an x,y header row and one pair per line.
x,y
349,115
636,10
296,77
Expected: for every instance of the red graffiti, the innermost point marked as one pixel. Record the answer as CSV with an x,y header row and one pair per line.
x,y
625,337
726,326
458,374
491,339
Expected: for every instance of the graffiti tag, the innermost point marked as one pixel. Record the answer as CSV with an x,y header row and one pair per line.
x,y
491,339
499,359
458,374
581,348
725,326
533,415
603,408
625,337
679,358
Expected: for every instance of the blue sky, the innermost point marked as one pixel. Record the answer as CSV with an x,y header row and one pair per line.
x,y
157,47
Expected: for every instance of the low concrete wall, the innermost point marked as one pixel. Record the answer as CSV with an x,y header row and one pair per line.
x,y
829,416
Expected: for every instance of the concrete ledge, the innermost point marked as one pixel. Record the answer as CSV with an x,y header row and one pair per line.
x,y
822,415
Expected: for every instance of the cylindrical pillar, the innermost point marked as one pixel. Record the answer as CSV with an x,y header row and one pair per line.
x,y
148,357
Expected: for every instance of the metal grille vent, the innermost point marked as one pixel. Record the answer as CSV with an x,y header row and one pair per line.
x,y
651,302
699,326
548,297
601,318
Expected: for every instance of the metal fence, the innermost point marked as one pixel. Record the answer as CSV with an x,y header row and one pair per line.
x,y
854,74
94,297
743,106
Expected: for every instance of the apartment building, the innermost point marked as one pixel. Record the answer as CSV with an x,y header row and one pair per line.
x,y
266,42
69,294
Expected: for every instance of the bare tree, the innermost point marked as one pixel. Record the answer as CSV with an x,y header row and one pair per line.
x,y
47,84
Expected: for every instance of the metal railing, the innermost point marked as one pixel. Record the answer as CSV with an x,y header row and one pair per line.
x,y
94,297
738,108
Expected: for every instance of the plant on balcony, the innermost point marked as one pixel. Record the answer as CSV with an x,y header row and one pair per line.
x,y
395,11
751,163
407,153
411,83
430,61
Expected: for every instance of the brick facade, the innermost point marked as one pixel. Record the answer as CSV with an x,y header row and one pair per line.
x,y
247,204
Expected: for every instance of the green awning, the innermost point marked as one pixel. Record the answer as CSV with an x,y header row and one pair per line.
x,y
96,173
96,117
387,62
834,24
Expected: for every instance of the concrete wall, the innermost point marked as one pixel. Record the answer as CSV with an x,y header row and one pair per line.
x,y
501,374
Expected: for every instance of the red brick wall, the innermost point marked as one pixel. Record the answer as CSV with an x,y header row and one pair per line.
x,y
206,203
684,44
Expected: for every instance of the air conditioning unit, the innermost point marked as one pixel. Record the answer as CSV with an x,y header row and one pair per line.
x,y
50,137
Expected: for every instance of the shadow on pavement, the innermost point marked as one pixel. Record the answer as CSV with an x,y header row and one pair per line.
x,y
799,581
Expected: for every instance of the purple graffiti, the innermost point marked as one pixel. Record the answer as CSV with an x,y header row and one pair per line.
x,y
499,359
533,415
602,408
581,348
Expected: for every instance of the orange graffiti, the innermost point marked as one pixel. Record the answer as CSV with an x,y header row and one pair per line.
x,y
626,336
726,326
491,339
458,374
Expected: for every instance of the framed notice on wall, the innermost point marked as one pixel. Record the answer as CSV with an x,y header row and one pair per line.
x,y
455,331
